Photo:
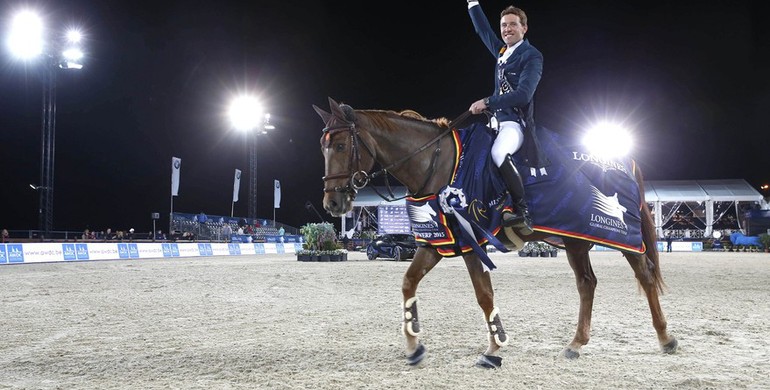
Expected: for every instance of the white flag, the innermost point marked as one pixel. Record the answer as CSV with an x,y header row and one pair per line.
x,y
236,184
277,195
176,163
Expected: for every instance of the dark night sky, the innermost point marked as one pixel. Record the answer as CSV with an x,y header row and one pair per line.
x,y
690,77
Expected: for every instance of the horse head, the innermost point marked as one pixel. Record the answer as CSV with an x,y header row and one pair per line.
x,y
345,168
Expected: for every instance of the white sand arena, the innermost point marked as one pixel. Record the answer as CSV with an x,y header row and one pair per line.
x,y
270,322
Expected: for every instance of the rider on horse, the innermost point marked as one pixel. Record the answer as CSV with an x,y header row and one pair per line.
x,y
517,73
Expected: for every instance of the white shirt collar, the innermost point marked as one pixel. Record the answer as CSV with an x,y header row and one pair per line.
x,y
509,52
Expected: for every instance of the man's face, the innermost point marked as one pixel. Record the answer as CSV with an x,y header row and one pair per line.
x,y
511,29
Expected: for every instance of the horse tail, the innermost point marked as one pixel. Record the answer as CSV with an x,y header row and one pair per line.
x,y
649,236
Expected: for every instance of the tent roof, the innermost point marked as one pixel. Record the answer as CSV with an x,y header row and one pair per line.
x,y
729,190
367,197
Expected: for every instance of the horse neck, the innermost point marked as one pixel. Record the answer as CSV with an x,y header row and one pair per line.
x,y
393,137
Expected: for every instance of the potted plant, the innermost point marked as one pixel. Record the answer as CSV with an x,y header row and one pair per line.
x,y
526,250
320,243
764,238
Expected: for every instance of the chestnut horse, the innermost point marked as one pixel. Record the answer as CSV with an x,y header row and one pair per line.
x,y
418,153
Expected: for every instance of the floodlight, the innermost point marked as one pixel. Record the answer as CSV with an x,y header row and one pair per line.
x,y
26,36
608,139
74,36
268,125
245,113
72,54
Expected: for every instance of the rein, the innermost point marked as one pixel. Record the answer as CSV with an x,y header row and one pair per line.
x,y
359,179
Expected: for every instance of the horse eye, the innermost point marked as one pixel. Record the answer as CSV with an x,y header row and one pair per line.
x,y
340,147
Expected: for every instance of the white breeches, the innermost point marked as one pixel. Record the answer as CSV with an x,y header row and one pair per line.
x,y
508,141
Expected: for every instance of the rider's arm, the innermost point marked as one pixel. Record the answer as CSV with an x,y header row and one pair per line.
x,y
484,29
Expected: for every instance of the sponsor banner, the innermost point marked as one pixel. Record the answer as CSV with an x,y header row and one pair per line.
x,y
55,252
247,249
270,248
100,251
189,250
176,163
220,249
37,253
150,250
676,246
170,249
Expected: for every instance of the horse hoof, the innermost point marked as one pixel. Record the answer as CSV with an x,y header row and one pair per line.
x,y
570,353
415,358
488,361
670,347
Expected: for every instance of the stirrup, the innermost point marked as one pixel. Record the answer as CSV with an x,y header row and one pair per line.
x,y
520,222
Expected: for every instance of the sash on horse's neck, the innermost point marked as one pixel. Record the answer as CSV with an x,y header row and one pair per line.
x,y
460,217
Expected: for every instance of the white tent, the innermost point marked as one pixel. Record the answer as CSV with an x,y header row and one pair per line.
x,y
708,191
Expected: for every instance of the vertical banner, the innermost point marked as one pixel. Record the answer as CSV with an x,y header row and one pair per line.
x,y
236,185
277,195
176,163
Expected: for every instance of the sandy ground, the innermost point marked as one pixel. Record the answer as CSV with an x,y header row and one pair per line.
x,y
270,322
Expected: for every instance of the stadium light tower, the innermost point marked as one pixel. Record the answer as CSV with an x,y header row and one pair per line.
x,y
27,41
246,114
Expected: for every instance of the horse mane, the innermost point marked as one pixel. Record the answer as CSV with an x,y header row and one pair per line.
x,y
379,117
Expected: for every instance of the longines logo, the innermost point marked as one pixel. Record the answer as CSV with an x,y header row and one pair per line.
x,y
603,162
613,211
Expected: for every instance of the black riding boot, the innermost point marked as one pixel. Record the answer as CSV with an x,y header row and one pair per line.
x,y
519,219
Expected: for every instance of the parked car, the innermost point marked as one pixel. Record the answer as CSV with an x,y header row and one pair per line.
x,y
398,246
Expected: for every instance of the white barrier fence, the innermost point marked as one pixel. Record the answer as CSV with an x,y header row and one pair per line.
x,y
54,252
676,246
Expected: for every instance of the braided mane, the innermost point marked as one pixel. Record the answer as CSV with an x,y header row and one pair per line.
x,y
380,118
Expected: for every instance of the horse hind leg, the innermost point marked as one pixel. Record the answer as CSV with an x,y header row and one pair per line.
x,y
648,275
580,262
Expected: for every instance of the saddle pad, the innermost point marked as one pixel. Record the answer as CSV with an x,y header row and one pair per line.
x,y
579,195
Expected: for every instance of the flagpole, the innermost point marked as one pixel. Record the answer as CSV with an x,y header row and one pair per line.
x,y
170,218
232,207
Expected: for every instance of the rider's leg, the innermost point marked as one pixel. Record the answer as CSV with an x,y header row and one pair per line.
x,y
508,141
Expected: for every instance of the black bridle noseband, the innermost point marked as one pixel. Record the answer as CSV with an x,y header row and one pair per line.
x,y
358,178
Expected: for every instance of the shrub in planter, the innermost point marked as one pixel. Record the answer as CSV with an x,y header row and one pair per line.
x,y
320,241
764,238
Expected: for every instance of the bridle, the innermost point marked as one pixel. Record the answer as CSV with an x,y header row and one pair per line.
x,y
359,178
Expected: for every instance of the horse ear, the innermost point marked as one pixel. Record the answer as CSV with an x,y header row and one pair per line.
x,y
325,116
350,114
342,111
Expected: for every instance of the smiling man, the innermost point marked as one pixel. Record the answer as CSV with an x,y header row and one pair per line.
x,y
518,70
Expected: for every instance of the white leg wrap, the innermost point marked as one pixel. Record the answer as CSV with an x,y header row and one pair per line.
x,y
496,328
411,325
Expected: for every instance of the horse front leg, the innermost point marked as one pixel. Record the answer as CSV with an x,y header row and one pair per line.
x,y
485,297
424,260
577,255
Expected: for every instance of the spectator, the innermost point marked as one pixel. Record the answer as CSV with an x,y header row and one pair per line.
x,y
6,235
227,232
668,241
281,231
